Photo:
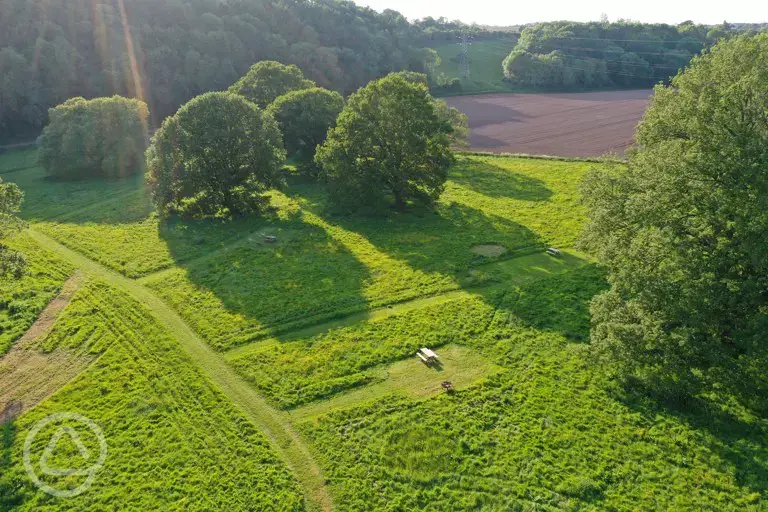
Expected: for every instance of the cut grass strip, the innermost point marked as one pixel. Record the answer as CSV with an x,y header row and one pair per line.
x,y
459,365
274,424
28,374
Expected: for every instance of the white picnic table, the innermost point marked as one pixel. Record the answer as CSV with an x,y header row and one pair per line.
x,y
429,353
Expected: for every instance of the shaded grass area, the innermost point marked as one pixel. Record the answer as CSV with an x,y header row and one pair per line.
x,y
124,234
47,199
548,432
174,442
22,300
113,221
324,363
14,161
325,266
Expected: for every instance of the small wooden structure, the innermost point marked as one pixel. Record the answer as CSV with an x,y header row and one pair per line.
x,y
427,356
553,252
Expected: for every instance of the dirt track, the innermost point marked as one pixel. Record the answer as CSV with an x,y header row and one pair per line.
x,y
575,124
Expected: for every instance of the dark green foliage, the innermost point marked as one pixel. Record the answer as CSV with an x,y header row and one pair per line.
x,y
11,263
268,80
167,52
683,230
568,55
104,137
215,157
305,117
389,144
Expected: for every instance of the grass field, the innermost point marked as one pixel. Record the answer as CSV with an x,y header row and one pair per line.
x,y
233,374
174,442
21,301
485,58
325,266
547,432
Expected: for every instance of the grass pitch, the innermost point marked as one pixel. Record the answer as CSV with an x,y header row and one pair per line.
x,y
323,325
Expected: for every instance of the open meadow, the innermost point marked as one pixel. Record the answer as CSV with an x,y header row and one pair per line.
x,y
230,371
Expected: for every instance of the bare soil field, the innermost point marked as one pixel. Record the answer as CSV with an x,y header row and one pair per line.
x,y
561,124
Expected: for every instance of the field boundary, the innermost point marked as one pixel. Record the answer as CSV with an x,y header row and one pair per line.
x,y
275,424
596,160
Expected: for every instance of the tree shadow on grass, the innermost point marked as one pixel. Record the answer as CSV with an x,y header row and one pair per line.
x,y
305,277
9,491
441,240
737,440
559,303
494,181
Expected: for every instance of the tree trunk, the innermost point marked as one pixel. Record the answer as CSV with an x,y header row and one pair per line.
x,y
399,201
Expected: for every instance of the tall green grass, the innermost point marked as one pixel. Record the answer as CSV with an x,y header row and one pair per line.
x,y
21,301
174,442
549,432
485,59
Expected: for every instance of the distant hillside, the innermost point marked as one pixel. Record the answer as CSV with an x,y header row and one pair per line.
x,y
566,55
167,51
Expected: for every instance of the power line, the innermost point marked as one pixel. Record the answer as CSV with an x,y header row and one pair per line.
x,y
617,51
466,42
656,41
654,66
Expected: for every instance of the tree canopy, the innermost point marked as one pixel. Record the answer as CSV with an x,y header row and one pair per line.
x,y
389,144
683,229
103,137
12,263
267,80
304,118
569,55
167,52
215,157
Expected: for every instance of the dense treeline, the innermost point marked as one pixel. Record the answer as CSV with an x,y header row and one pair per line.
x,y
567,55
166,52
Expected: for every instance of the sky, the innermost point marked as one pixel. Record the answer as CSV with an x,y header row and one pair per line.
x,y
506,12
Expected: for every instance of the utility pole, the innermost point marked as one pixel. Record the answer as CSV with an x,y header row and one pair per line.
x,y
465,41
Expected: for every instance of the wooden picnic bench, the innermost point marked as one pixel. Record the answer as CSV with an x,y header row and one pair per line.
x,y
427,356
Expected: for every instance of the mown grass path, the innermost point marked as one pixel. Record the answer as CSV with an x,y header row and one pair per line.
x,y
275,424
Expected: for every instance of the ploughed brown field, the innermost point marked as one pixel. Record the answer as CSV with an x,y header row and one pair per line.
x,y
562,124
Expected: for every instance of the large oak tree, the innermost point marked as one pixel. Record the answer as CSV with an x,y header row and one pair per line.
x,y
12,263
683,229
390,144
215,157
